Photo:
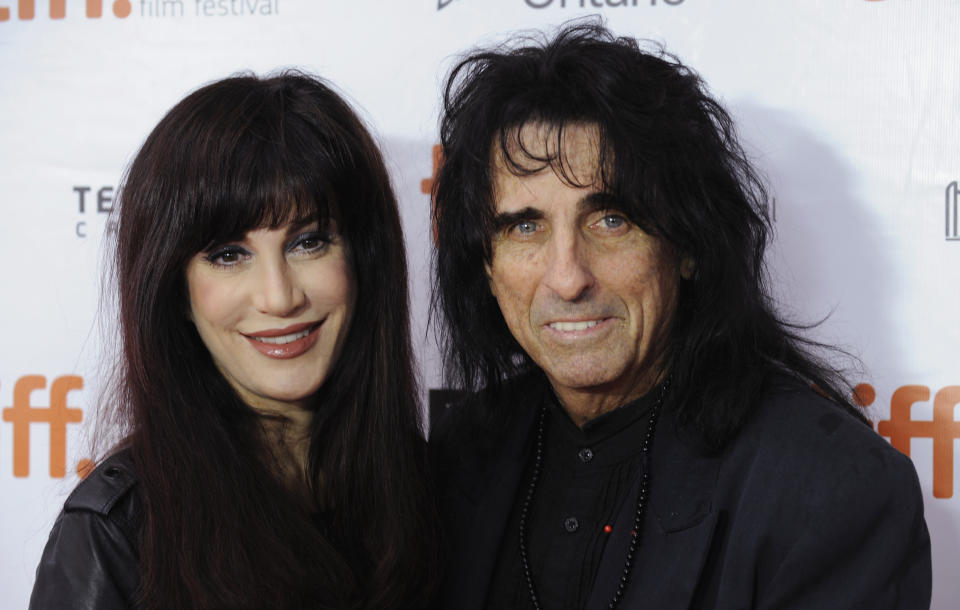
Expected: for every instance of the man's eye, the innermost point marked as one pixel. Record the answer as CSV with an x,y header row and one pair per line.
x,y
525,227
614,221
611,221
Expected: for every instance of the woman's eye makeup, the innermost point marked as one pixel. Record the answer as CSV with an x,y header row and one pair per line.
x,y
226,256
310,242
304,243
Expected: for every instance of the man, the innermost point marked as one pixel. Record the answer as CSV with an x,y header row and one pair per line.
x,y
642,430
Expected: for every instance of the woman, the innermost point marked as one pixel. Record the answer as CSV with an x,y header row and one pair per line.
x,y
272,455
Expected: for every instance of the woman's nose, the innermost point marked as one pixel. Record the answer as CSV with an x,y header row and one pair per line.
x,y
277,291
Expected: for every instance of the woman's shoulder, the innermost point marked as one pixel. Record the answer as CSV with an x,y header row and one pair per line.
x,y
109,491
91,558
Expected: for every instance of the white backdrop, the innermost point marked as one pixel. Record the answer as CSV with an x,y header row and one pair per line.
x,y
849,106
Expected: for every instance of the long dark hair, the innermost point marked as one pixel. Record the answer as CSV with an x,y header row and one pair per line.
x,y
669,153
220,529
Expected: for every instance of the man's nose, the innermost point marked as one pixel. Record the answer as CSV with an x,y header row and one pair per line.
x,y
568,272
277,291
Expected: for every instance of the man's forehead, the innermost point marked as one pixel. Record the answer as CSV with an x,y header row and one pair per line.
x,y
536,153
571,149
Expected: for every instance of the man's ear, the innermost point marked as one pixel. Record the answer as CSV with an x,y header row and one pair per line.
x,y
688,266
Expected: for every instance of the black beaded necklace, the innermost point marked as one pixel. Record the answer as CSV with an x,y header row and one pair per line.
x,y
642,496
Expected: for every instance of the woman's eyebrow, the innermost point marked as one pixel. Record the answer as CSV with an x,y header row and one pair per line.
x,y
297,226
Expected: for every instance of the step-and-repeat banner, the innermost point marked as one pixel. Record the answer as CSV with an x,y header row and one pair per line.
x,y
851,107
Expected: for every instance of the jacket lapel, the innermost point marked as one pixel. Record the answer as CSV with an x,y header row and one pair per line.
x,y
484,497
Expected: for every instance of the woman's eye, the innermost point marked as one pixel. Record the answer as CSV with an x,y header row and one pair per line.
x,y
310,242
226,257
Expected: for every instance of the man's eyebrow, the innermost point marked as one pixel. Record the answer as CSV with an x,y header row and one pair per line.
x,y
504,220
600,201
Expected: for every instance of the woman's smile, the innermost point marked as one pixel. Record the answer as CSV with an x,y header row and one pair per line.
x,y
285,343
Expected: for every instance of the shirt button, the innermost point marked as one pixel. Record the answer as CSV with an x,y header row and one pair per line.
x,y
571,524
585,454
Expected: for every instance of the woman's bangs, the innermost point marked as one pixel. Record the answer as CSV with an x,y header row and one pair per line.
x,y
270,190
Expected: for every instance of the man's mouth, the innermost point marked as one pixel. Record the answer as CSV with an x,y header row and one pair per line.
x,y
574,326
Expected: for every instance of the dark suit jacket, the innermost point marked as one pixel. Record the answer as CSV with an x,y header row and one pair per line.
x,y
806,508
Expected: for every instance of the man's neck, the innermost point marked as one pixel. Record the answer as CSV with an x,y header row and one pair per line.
x,y
582,407
585,405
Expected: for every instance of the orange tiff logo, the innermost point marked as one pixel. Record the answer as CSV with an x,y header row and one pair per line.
x,y
27,9
943,429
57,415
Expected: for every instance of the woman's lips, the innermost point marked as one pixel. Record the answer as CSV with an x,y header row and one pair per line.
x,y
285,343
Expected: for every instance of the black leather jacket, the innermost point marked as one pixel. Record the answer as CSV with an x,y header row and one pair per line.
x,y
91,560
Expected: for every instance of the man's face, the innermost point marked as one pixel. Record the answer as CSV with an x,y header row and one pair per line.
x,y
588,295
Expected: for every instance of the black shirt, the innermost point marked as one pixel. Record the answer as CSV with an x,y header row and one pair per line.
x,y
586,476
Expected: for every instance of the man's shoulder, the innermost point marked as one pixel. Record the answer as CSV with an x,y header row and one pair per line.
x,y
794,416
479,425
493,407
800,436
807,483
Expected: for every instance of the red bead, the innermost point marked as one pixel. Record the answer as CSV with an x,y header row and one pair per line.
x,y
607,529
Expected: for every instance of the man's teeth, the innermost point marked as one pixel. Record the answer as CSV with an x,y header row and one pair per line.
x,y
284,338
571,326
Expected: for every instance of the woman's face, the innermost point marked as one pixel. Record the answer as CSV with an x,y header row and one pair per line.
x,y
273,309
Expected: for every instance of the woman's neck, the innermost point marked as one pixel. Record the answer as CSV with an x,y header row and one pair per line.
x,y
287,441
